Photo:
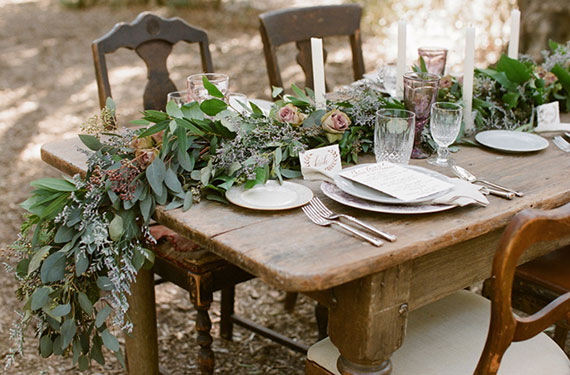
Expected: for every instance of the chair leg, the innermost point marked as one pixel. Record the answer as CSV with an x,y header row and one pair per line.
x,y
203,326
290,301
560,335
322,317
227,311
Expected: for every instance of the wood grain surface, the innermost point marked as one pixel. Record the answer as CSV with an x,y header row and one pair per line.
x,y
285,249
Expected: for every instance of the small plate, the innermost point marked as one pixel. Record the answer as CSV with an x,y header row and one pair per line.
x,y
271,196
365,192
511,141
334,193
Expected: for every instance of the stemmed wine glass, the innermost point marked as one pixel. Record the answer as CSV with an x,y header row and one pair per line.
x,y
445,124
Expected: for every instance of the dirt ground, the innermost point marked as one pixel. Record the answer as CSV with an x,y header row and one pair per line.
x,y
47,89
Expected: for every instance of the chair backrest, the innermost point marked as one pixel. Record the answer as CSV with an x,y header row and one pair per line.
x,y
299,25
152,37
525,229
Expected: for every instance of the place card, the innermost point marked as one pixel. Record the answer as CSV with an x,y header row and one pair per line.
x,y
397,181
548,118
320,163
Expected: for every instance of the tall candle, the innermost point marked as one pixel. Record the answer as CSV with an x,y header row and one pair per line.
x,y
401,67
468,66
514,40
318,72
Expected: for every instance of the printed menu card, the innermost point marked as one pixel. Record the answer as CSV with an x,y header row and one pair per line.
x,y
398,181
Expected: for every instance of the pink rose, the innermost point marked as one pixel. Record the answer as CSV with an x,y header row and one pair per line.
x,y
334,123
445,82
290,114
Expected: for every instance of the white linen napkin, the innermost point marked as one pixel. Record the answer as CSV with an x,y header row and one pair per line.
x,y
548,118
321,164
463,194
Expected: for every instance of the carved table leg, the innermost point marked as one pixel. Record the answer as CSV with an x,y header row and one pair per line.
x,y
322,317
142,344
367,322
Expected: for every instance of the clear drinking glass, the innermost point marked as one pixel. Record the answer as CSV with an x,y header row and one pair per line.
x,y
388,75
434,58
178,97
394,135
445,124
199,93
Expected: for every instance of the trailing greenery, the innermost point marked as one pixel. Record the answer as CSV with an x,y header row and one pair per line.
x,y
85,238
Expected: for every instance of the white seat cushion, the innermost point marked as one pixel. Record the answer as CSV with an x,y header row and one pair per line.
x,y
447,338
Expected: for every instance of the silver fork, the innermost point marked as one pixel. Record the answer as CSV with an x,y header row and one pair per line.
x,y
319,220
328,214
561,143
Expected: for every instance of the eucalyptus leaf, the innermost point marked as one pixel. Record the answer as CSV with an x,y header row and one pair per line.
x,y
68,330
85,304
212,89
173,110
64,234
46,346
61,310
57,345
37,259
102,316
192,110
96,352
188,199
212,107
155,174
104,283
154,129
91,142
174,204
276,91
116,229
55,184
110,341
53,268
83,363
145,207
172,182
40,297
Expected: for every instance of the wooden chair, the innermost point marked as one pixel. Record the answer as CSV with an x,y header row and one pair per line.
x,y
152,37
299,25
177,259
446,337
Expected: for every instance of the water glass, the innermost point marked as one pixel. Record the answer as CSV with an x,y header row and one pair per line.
x,y
178,97
388,77
394,135
199,93
445,124
434,58
420,91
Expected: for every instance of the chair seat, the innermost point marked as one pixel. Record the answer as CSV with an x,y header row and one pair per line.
x,y
447,338
549,271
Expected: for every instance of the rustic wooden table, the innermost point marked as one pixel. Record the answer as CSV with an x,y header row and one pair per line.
x,y
369,290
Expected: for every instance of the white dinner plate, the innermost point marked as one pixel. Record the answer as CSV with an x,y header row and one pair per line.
x,y
334,193
365,192
271,196
511,141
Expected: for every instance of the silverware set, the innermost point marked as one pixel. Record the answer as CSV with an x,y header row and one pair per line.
x,y
496,189
319,214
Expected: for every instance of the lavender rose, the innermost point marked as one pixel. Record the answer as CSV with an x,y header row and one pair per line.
x,y
290,114
334,123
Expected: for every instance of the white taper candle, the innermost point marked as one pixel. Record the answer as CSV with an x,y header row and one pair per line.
x,y
468,67
515,31
318,72
401,67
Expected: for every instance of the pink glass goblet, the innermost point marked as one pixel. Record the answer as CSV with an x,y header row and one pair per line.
x,y
420,92
434,58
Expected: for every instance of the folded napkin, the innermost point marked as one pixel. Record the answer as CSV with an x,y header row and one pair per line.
x,y
548,118
321,164
463,194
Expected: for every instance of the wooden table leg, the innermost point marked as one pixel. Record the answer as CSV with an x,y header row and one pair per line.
x,y
367,322
142,344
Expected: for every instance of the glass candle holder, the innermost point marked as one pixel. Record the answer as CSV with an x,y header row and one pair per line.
x,y
178,97
199,93
434,59
420,92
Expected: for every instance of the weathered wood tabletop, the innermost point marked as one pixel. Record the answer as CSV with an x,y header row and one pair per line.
x,y
369,290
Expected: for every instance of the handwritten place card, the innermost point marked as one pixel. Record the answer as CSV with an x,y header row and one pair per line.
x,y
320,163
548,118
397,181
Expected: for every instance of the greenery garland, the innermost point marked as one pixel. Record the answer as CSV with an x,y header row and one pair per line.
x,y
84,239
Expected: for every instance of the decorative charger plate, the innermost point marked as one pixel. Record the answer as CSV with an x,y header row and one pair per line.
x,y
365,192
334,193
511,141
271,196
